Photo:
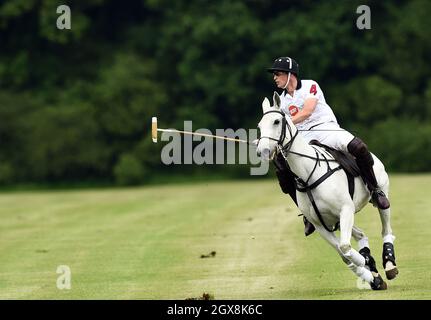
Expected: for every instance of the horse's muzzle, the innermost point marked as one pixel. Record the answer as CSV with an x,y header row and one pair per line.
x,y
264,154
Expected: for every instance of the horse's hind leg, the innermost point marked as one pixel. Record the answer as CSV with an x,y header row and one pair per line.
x,y
360,237
388,254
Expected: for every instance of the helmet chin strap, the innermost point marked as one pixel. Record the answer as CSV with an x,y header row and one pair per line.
x,y
288,79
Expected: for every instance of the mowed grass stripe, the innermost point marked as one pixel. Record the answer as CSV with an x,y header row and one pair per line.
x,y
119,244
146,243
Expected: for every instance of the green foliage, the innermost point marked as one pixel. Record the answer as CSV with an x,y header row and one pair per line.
x,y
366,100
427,102
404,145
129,170
74,150
6,173
126,95
48,18
76,104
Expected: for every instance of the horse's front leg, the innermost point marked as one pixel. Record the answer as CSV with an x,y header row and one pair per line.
x,y
359,271
346,225
357,264
357,261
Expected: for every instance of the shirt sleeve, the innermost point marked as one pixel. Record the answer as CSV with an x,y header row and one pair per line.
x,y
313,91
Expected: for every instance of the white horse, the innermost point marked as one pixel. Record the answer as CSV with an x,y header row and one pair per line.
x,y
332,199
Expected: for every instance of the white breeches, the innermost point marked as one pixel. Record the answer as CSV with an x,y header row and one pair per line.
x,y
336,139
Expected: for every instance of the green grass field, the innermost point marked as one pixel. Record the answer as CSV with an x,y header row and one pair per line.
x,y
146,243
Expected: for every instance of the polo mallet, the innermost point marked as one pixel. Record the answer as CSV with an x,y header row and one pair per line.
x,y
154,130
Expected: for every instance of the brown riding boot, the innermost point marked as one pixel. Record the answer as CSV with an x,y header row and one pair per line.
x,y
365,163
378,197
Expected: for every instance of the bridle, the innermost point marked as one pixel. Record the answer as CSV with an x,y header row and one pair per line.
x,y
280,140
285,149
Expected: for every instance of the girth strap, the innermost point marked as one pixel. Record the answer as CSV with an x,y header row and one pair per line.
x,y
316,209
307,188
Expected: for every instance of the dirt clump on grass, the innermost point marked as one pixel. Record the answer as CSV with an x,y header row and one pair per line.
x,y
210,255
205,296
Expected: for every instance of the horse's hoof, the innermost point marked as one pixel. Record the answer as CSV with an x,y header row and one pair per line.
x,y
378,283
391,271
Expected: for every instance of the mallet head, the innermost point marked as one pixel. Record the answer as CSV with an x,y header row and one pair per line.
x,y
154,129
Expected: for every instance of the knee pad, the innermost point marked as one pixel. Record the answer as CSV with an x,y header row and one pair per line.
x,y
360,150
357,147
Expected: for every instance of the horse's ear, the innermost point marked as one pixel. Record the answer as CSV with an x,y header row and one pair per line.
x,y
265,105
277,100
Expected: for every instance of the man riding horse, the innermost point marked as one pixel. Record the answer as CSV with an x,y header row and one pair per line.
x,y
304,102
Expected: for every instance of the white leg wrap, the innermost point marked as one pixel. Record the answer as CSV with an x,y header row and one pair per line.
x,y
355,257
362,243
362,273
389,238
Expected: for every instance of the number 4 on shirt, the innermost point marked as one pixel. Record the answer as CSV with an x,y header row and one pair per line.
x,y
313,89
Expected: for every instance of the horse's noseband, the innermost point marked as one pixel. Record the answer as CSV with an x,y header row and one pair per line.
x,y
280,140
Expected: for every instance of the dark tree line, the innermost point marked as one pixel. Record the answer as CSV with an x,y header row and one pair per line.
x,y
76,105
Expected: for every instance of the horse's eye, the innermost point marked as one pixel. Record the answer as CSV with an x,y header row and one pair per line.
x,y
276,122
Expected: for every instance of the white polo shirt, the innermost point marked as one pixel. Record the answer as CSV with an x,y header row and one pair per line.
x,y
309,89
322,124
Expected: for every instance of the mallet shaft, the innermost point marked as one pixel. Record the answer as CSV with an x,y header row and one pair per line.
x,y
203,135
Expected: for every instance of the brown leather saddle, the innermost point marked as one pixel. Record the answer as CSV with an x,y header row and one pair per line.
x,y
346,161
